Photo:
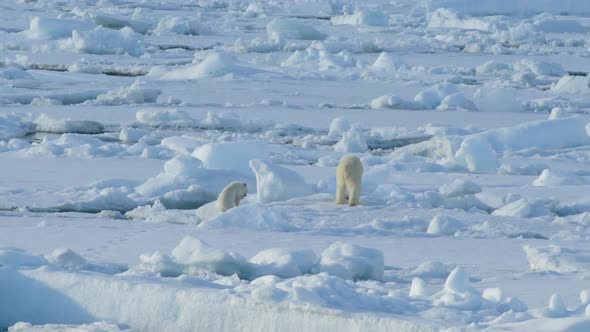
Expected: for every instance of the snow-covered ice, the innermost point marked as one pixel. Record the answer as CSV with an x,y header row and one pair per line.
x,y
122,121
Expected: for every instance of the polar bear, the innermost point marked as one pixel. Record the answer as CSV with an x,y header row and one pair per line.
x,y
349,176
231,196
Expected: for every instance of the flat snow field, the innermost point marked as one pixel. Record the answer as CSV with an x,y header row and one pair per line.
x,y
121,121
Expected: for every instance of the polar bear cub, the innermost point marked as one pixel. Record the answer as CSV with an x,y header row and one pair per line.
x,y
349,176
231,195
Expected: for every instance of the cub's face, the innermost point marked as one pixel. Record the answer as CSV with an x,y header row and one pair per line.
x,y
244,190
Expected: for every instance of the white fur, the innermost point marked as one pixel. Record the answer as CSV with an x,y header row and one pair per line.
x,y
231,195
349,176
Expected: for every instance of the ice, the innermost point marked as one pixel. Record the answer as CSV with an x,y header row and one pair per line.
x,y
362,18
394,102
492,67
14,257
215,64
386,61
551,178
183,166
250,216
352,141
289,28
431,269
496,99
284,263
47,124
179,25
433,96
338,127
459,187
350,261
66,259
234,156
517,7
12,126
444,225
552,258
132,135
164,118
52,28
418,289
136,93
276,183
523,208
572,84
477,155
107,41
14,73
456,101
457,281
556,307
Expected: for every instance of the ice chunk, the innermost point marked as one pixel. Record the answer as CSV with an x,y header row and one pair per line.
x,y
354,262
280,28
232,155
214,65
572,84
352,141
433,96
551,178
165,118
362,17
55,28
477,155
47,124
457,281
107,41
136,93
66,259
523,208
276,183
456,101
386,61
496,99
338,127
459,187
284,263
419,289
179,25
445,225
182,165
13,126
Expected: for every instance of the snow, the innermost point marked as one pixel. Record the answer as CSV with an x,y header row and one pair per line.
x,y
276,183
350,261
121,123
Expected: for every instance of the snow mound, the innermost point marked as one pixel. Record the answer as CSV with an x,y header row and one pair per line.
x,y
572,84
418,289
214,65
394,102
456,101
183,166
523,208
433,96
13,126
362,18
338,127
554,259
445,225
132,135
232,155
193,257
352,262
98,199
477,155
386,61
540,67
106,41
496,99
179,25
289,28
492,68
165,118
66,259
44,123
14,73
316,57
55,28
136,93
352,141
250,216
276,183
551,178
284,263
458,188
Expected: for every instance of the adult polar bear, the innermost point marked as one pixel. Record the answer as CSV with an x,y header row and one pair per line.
x,y
231,196
349,176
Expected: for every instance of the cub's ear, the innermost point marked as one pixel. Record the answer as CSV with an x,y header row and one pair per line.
x,y
244,185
